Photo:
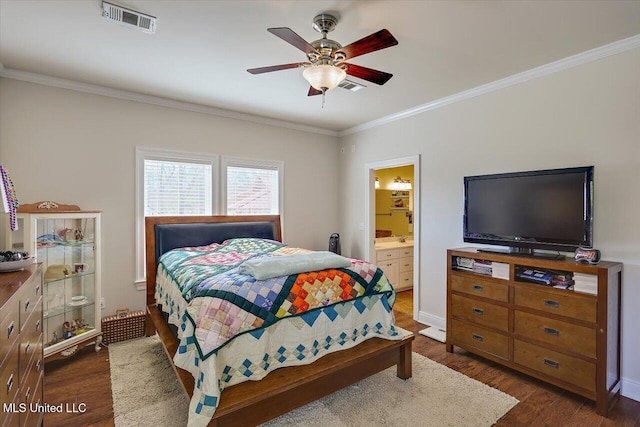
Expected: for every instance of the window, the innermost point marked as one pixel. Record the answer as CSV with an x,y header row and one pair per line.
x,y
252,187
179,183
177,188
172,183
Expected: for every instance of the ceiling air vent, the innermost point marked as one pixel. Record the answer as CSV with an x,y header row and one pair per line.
x,y
122,15
352,86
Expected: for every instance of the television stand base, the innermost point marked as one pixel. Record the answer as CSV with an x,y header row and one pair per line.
x,y
530,254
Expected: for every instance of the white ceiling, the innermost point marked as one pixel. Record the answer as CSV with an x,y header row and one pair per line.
x,y
201,49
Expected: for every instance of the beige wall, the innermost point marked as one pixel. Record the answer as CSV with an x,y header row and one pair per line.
x,y
587,115
79,148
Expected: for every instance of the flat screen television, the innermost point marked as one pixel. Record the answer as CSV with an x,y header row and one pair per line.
x,y
544,209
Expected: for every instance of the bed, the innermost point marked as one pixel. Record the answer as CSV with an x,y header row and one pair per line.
x,y
273,392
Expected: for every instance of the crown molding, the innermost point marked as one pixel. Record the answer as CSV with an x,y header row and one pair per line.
x,y
544,70
155,100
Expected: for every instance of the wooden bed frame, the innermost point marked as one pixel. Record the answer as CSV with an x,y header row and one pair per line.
x,y
255,402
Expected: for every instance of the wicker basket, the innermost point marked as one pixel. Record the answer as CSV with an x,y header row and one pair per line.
x,y
125,325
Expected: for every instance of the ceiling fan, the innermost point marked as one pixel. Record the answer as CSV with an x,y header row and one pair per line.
x,y
326,66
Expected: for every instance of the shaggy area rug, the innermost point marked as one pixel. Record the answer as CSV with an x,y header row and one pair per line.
x,y
146,392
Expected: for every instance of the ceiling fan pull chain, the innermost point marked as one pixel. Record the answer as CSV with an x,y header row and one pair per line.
x,y
323,92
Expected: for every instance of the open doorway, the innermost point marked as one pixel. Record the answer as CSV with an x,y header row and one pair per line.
x,y
392,225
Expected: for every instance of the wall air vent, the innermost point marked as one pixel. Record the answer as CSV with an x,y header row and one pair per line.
x,y
352,86
122,15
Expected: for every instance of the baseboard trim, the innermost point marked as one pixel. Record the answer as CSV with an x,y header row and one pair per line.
x,y
630,389
432,320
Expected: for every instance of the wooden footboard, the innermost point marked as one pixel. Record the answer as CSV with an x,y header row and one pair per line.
x,y
255,402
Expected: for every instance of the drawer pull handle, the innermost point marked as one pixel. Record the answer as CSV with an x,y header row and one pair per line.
x,y
26,305
10,384
27,394
26,348
551,331
38,326
551,363
478,311
478,288
38,365
10,329
551,303
37,289
478,337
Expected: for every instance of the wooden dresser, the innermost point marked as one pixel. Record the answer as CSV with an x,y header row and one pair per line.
x,y
21,347
567,338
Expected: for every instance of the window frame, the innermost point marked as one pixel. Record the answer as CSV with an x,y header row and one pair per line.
x,y
160,154
242,162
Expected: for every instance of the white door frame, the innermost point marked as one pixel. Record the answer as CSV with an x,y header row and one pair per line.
x,y
370,216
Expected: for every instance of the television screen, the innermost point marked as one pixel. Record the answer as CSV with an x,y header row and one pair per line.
x,y
548,209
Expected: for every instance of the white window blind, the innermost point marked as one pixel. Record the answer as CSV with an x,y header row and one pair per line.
x,y
252,191
177,188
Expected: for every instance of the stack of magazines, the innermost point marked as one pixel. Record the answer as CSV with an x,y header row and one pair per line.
x,y
464,263
478,266
562,281
535,276
481,266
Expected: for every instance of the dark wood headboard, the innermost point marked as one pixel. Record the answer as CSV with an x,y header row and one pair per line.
x,y
163,233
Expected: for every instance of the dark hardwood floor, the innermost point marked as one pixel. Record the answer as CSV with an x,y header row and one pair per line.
x,y
85,378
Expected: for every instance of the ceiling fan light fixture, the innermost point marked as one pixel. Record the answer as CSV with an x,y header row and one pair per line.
x,y
324,77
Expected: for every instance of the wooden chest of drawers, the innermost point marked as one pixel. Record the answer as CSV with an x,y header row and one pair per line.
x,y
566,338
21,347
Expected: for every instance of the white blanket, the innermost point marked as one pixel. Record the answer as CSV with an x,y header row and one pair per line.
x,y
275,266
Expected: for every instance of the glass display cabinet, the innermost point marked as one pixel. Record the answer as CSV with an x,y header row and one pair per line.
x,y
66,240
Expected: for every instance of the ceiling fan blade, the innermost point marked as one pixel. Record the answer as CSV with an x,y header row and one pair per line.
x,y
288,35
275,68
376,41
313,91
368,74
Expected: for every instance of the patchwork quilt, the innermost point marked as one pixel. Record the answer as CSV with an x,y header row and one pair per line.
x,y
224,303
233,327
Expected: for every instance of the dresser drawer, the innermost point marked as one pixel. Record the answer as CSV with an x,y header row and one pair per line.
x,y
387,254
30,296
480,338
566,368
30,383
406,264
479,287
480,312
30,347
9,327
9,376
556,332
405,280
405,252
564,305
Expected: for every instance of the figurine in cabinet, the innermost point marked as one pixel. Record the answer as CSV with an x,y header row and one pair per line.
x,y
68,330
